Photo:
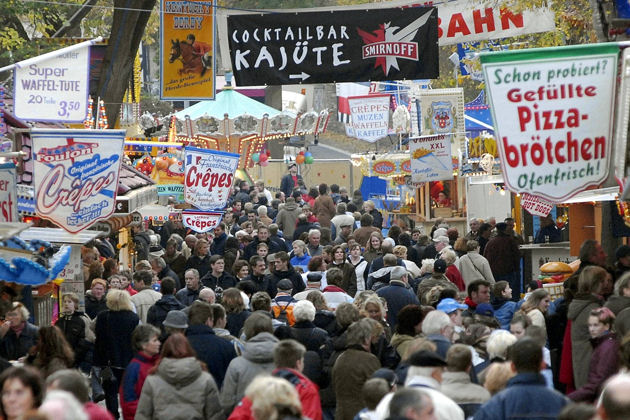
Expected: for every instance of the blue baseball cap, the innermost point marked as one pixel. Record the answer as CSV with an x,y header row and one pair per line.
x,y
449,305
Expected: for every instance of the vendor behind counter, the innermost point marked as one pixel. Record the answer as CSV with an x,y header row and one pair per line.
x,y
548,232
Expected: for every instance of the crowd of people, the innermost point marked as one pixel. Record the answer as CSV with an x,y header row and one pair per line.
x,y
297,306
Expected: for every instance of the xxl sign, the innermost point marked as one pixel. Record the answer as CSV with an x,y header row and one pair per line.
x,y
553,111
208,177
323,47
76,175
431,158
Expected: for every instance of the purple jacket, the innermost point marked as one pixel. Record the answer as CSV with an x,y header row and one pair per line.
x,y
604,364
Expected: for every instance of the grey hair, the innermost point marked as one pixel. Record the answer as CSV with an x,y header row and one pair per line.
x,y
434,322
304,310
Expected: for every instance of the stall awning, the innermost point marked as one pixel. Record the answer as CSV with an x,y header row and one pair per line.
x,y
599,194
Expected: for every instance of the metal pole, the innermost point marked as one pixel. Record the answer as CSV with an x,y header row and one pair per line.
x,y
51,54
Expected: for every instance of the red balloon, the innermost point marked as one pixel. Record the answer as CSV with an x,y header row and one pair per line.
x,y
301,153
299,159
263,157
269,152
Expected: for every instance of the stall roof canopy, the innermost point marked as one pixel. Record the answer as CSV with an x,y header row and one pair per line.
x,y
228,102
130,179
59,236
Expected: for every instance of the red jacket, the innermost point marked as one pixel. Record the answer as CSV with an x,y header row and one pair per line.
x,y
131,385
453,274
307,391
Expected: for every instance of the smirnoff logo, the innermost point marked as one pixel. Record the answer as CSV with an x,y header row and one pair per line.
x,y
70,151
388,43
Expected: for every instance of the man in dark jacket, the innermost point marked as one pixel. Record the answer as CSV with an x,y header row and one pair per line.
x,y
284,270
218,243
214,351
141,241
162,270
217,276
190,293
262,237
505,259
257,276
397,294
526,395
290,180
168,302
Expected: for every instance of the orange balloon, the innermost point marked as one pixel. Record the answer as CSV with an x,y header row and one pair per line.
x,y
299,159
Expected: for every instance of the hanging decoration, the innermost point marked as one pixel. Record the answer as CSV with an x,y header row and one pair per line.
x,y
88,123
102,123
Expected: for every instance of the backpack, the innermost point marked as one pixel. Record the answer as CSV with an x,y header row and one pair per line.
x,y
284,313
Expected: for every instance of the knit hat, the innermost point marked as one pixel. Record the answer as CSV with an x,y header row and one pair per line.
x,y
176,319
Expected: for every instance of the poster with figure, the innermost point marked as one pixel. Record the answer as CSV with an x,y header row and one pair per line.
x,y
553,112
187,49
76,175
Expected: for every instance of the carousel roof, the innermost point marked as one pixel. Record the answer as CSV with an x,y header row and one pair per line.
x,y
230,102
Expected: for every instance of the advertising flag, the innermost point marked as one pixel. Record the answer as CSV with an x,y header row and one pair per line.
x,y
339,46
553,113
370,116
431,158
8,193
54,89
187,50
76,175
208,177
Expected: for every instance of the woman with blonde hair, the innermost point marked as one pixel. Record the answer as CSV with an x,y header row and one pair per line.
x,y
17,335
112,348
400,251
536,306
373,247
373,308
273,399
235,310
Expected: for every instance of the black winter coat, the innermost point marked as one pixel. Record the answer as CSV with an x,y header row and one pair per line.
x,y
113,338
158,311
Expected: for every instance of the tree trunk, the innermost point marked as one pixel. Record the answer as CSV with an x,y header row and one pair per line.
x,y
129,22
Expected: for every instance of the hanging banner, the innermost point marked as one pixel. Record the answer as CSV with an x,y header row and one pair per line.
x,y
370,116
553,114
76,175
442,112
472,20
327,47
8,193
187,50
209,175
201,221
55,89
431,158
536,206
